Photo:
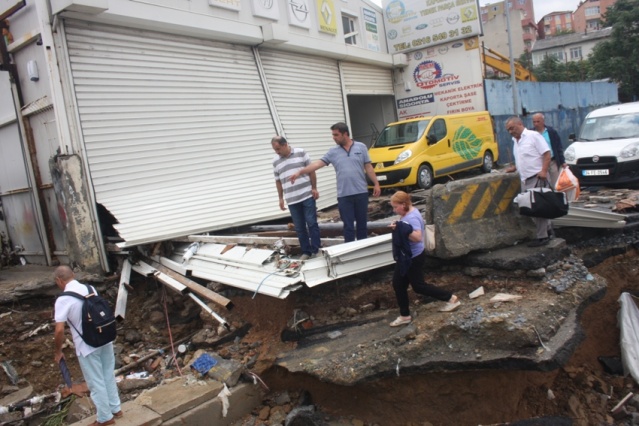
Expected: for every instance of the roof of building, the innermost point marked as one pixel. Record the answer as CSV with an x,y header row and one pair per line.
x,y
568,39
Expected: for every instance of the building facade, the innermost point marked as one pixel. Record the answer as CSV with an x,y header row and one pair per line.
x,y
554,23
134,122
569,47
526,17
589,15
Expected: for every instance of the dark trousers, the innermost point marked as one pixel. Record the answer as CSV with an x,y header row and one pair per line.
x,y
353,209
415,277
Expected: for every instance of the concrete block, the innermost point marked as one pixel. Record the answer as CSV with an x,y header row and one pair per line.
x,y
134,415
243,399
478,214
226,371
172,399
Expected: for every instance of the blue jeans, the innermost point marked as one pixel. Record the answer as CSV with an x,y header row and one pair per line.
x,y
353,210
304,215
97,369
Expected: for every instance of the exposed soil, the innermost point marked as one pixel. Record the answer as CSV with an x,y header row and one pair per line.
x,y
582,390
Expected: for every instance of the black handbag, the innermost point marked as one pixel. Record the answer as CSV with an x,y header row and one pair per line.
x,y
542,202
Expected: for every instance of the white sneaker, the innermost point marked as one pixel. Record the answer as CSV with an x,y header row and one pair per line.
x,y
305,257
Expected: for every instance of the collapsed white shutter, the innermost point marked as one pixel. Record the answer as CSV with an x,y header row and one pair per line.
x,y
307,93
177,131
360,79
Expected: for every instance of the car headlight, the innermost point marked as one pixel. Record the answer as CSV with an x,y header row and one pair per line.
x,y
403,156
569,154
629,151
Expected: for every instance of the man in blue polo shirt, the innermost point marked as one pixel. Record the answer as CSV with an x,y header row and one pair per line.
x,y
352,164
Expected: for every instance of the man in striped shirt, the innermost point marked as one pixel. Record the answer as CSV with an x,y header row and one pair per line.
x,y
300,196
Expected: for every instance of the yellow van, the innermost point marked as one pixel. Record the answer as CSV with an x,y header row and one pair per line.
x,y
415,152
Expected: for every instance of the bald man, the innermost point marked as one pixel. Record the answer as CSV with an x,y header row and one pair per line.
x,y
97,364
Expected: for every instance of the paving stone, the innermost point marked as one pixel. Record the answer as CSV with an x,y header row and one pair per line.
x,y
172,399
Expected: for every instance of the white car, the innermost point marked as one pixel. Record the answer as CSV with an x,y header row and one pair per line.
x,y
606,152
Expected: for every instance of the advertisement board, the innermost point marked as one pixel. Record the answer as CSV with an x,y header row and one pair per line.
x,y
417,24
444,79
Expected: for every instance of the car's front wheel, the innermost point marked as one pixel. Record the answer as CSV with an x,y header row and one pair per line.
x,y
488,162
425,177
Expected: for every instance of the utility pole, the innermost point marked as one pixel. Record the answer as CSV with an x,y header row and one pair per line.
x,y
513,80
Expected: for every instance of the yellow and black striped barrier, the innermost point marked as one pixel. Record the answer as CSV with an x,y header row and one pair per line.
x,y
477,214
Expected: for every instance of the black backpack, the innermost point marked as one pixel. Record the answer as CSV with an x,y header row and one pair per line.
x,y
98,320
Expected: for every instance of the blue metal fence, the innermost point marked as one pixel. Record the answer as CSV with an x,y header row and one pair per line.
x,y
564,106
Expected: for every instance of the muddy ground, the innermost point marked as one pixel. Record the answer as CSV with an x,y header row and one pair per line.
x,y
581,391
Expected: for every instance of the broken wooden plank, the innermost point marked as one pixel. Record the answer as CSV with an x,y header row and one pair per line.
x,y
192,285
123,291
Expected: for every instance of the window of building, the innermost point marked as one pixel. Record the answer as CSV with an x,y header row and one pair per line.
x,y
592,11
557,19
558,55
350,33
568,26
593,24
547,29
568,17
575,53
547,19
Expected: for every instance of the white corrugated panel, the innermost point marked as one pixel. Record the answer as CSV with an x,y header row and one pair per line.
x,y
266,272
307,93
360,79
177,131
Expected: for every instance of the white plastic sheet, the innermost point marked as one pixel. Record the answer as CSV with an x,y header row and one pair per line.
x,y
628,319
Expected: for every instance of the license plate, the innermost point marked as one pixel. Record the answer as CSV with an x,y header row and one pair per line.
x,y
604,172
381,178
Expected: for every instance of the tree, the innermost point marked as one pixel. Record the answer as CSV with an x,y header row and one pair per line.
x,y
550,69
617,57
525,59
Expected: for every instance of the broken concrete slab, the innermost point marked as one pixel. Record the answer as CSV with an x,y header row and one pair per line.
x,y
519,257
134,415
242,399
540,332
227,371
80,409
17,396
178,396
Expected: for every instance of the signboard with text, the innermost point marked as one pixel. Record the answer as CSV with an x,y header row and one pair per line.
x,y
371,29
444,79
417,24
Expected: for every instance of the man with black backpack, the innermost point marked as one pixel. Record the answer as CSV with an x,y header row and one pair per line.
x,y
97,363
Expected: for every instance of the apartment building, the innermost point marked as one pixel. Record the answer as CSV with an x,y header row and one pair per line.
x,y
555,23
527,17
589,15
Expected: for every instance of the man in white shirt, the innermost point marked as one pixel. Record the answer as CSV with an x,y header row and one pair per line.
x,y
97,364
532,159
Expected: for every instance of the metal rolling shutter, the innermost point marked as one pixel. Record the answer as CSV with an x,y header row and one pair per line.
x,y
360,79
308,97
176,131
